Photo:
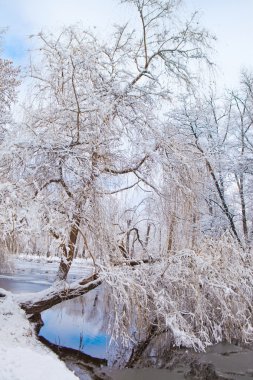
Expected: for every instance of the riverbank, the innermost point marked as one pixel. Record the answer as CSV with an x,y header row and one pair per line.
x,y
22,356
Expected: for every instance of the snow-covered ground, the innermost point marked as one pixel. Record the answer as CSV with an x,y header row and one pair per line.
x,y
22,356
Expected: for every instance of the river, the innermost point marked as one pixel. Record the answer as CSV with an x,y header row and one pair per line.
x,y
81,326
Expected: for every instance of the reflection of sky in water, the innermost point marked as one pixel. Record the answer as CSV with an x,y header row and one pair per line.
x,y
79,323
71,329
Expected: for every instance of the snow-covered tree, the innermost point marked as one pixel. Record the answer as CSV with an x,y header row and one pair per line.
x,y
8,85
216,133
94,121
94,130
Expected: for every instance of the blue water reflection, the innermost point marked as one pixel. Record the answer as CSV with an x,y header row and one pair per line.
x,y
79,323
67,325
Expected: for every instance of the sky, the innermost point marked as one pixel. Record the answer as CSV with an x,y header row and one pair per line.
x,y
229,20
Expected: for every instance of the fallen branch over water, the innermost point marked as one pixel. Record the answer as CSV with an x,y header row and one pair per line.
x,y
34,303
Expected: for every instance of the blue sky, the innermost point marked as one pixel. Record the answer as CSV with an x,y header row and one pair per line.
x,y
230,20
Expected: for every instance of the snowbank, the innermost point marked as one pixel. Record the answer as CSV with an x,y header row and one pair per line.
x,y
22,356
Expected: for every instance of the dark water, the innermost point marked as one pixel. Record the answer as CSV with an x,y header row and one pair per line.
x,y
80,325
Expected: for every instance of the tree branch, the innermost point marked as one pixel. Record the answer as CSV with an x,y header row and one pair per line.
x,y
36,303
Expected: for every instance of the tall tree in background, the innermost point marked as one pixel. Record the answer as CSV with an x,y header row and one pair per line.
x,y
218,133
241,156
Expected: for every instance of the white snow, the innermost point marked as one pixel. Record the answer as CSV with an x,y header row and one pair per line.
x,y
22,356
28,264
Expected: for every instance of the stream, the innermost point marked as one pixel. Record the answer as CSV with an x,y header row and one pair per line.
x,y
77,331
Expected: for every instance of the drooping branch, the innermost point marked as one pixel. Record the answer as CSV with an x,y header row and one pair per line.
x,y
119,190
126,170
54,180
61,291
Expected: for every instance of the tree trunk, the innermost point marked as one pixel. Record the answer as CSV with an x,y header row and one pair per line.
x,y
240,185
138,351
171,233
69,252
36,303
